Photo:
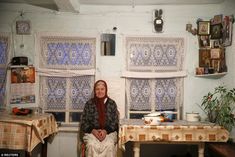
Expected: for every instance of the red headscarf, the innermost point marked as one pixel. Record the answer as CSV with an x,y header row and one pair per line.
x,y
99,102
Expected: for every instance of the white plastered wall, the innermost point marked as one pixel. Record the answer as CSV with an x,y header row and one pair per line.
x,y
129,20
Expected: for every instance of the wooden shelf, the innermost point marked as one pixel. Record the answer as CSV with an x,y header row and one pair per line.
x,y
215,75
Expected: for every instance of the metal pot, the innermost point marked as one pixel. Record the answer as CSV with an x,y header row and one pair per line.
x,y
192,117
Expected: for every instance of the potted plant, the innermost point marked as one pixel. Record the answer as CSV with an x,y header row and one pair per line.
x,y
218,106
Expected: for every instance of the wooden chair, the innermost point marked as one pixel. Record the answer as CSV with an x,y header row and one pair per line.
x,y
82,145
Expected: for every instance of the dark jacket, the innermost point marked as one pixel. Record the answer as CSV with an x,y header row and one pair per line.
x,y
89,119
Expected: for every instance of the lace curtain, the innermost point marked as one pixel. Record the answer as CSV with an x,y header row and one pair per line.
x,y
157,54
157,94
4,51
154,73
66,69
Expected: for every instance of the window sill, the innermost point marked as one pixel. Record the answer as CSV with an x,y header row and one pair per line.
x,y
68,128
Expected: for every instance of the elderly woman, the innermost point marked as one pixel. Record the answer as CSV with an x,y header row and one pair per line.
x,y
100,122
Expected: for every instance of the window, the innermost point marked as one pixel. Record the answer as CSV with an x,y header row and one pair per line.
x,y
4,51
66,72
154,75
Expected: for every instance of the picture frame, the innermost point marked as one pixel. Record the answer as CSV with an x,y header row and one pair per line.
x,y
23,27
199,71
203,27
228,29
204,41
23,75
215,53
204,58
216,44
218,19
216,65
216,31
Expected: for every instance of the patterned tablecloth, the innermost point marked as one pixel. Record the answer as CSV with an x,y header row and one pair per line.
x,y
25,132
178,131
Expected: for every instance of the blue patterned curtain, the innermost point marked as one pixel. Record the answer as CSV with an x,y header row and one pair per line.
x,y
67,53
65,57
154,55
163,93
4,46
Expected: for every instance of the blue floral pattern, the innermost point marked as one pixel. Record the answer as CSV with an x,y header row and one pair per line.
x,y
155,54
61,54
4,51
67,53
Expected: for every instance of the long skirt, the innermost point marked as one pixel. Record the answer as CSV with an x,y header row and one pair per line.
x,y
106,148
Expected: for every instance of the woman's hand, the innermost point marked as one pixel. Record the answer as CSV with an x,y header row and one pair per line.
x,y
96,133
99,134
103,134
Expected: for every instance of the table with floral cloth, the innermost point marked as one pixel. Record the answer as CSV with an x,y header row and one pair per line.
x,y
181,132
25,132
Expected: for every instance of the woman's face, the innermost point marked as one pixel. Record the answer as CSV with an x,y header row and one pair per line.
x,y
100,91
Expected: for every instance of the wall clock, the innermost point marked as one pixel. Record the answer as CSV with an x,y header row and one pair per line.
x,y
23,27
158,21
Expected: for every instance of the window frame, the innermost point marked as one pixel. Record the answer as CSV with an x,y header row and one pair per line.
x,y
152,72
43,72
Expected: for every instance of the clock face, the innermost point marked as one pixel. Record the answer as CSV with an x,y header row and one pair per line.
x,y
158,21
23,27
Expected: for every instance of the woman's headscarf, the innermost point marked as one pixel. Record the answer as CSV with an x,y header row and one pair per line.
x,y
99,102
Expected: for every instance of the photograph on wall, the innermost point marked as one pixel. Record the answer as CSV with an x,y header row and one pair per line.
x,y
227,30
23,75
203,27
216,65
215,43
217,19
204,58
216,53
216,31
199,71
22,93
204,41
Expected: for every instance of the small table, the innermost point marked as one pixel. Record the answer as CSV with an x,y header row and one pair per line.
x,y
25,132
181,132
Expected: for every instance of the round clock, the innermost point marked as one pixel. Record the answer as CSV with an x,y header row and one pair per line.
x,y
23,27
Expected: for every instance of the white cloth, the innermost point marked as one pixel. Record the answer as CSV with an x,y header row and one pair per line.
x,y
106,148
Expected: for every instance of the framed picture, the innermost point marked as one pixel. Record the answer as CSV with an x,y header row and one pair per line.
x,y
215,53
199,71
216,43
23,27
216,31
228,29
203,27
216,65
217,19
204,41
23,75
204,58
